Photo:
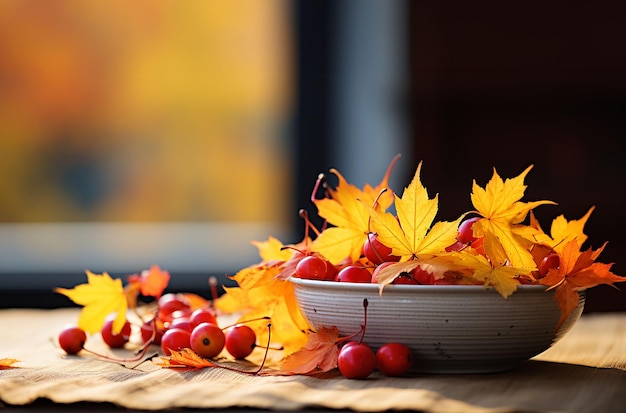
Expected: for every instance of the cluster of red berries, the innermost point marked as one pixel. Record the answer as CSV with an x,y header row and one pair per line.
x,y
175,327
199,331
315,267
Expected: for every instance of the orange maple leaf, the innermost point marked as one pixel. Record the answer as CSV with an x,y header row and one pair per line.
x,y
347,211
318,355
505,242
7,363
185,358
577,272
150,283
100,297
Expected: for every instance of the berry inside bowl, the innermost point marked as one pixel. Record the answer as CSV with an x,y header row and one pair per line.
x,y
449,328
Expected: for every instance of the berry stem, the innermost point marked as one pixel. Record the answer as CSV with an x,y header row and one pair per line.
x,y
316,187
304,214
269,340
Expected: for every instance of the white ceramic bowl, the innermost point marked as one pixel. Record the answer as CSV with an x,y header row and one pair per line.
x,y
450,328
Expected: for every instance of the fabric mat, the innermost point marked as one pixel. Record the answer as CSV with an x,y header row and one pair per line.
x,y
584,372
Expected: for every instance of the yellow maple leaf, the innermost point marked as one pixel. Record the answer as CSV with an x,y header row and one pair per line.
x,y
100,297
347,211
503,278
272,250
505,242
563,231
411,235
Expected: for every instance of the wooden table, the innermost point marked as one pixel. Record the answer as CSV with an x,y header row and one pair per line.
x,y
584,372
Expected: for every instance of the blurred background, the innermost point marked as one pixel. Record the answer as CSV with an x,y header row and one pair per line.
x,y
175,133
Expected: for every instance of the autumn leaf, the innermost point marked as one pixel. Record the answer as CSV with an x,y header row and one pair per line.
x,y
503,278
272,250
318,355
185,358
500,206
150,283
7,363
577,271
563,231
411,235
347,211
100,297
154,281
260,293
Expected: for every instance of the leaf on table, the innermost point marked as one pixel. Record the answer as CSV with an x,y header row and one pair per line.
x,y
318,355
100,297
185,358
411,235
8,363
501,210
577,271
346,209
260,293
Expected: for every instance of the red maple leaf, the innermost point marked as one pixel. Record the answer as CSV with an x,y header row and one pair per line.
x,y
577,272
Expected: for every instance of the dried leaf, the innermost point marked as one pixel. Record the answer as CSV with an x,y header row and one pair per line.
x,y
100,297
7,363
318,355
185,358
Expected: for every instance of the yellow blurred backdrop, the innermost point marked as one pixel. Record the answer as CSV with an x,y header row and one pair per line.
x,y
145,110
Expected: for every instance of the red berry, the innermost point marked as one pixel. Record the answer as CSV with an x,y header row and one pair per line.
x,y
378,269
376,252
312,268
202,315
169,303
422,277
406,279
457,246
207,340
465,233
148,327
115,340
394,359
331,271
174,339
354,274
549,262
181,322
356,361
72,339
240,341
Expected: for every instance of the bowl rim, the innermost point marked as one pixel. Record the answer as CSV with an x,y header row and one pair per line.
x,y
371,287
